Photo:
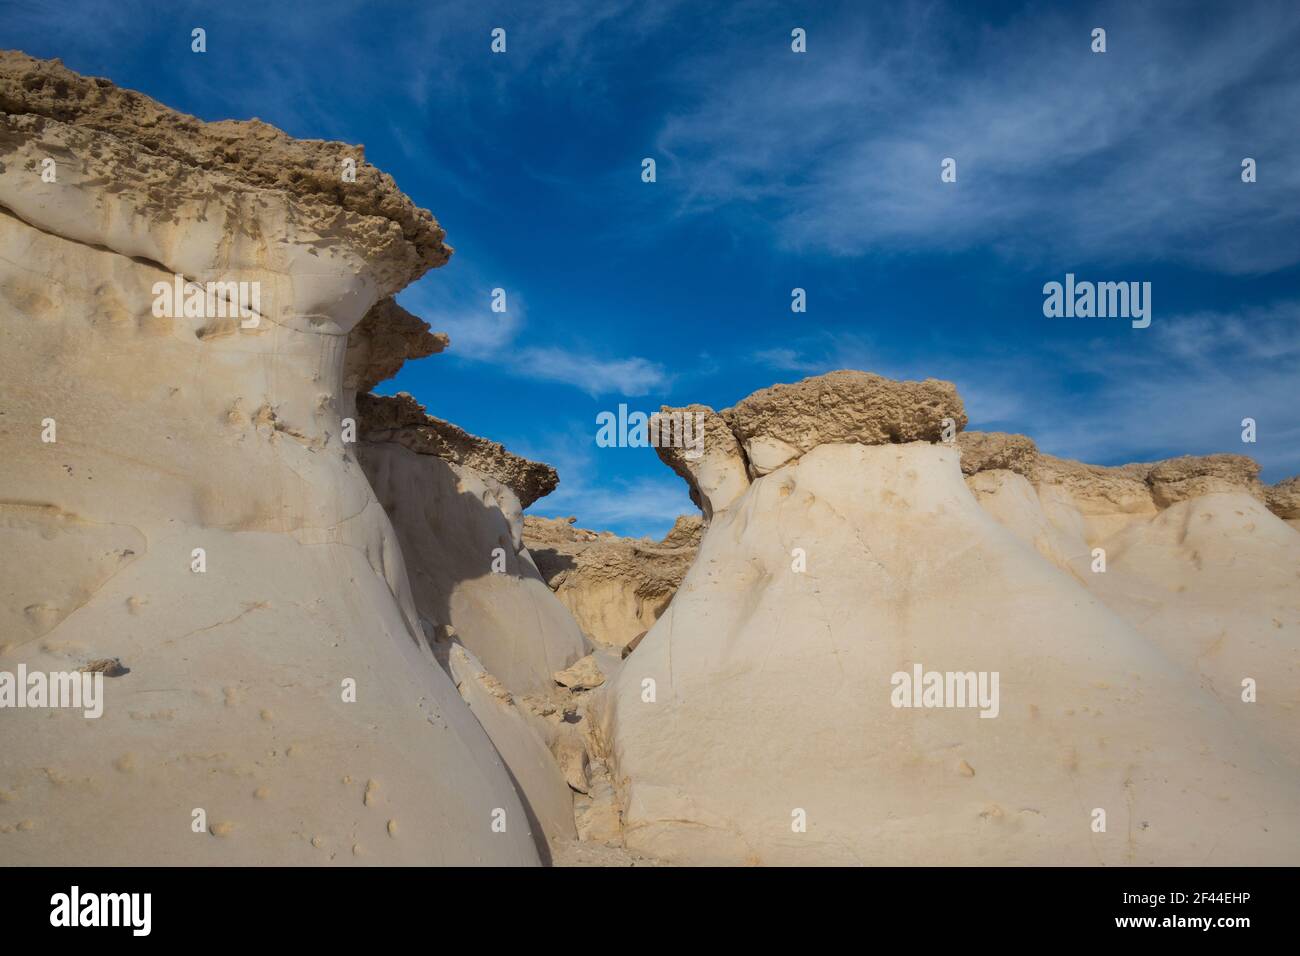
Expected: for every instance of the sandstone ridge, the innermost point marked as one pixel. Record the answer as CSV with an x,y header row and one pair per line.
x,y
196,511
401,419
1124,609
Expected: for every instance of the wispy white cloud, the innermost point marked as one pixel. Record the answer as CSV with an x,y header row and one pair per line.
x,y
789,360
480,334
461,307
625,376
637,508
1060,152
1188,392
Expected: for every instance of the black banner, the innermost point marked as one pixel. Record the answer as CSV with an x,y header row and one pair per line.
x,y
335,906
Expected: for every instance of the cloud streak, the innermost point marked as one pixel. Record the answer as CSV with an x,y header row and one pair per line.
x,y
1060,152
462,309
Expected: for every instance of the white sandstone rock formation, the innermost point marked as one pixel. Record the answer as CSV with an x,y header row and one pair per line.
x,y
320,651
457,502
230,737
776,425
1192,558
756,723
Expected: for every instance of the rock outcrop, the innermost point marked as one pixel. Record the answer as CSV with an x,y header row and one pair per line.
x,y
1284,500
615,587
714,469
402,420
769,715
1191,476
175,494
227,200
846,407
991,451
461,536
776,425
521,737
1186,552
385,338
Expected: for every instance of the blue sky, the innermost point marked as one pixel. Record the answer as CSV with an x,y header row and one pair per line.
x,y
776,170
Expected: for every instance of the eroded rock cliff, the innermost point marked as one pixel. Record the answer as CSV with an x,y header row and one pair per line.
x,y
175,493
760,721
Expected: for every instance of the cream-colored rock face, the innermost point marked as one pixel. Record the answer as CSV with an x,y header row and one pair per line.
x,y
615,587
166,442
1213,582
460,532
192,511
1010,498
757,721
766,454
609,611
547,796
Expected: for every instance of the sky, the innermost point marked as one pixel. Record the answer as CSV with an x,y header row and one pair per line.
x,y
778,170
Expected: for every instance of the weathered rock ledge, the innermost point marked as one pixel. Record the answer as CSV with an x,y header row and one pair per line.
x,y
777,425
231,154
385,338
400,418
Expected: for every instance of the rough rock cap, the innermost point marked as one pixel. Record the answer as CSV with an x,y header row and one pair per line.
x,y
1160,483
1123,489
987,451
715,471
372,212
400,418
1177,479
1283,499
847,407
